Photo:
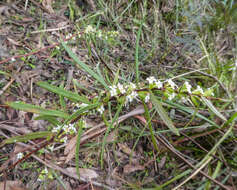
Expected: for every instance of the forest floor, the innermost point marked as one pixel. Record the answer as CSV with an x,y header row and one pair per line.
x,y
118,94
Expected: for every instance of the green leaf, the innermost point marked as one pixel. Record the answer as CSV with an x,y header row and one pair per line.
x,y
137,52
192,112
27,137
164,116
80,112
50,119
60,91
84,66
213,109
37,109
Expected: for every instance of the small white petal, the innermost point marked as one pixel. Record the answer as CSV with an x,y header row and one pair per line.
x,y
131,96
20,155
188,87
51,148
171,96
171,83
147,98
151,80
89,29
121,88
64,139
101,109
132,85
113,90
159,84
199,89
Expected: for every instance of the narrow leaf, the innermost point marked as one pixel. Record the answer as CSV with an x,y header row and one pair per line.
x,y
37,109
84,66
213,109
164,116
60,91
80,112
27,137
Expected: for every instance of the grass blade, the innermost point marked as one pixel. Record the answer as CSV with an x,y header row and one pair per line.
x,y
80,130
37,109
213,109
84,66
80,112
137,52
27,137
62,92
162,113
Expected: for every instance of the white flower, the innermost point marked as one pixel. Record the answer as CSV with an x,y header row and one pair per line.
x,y
19,155
147,98
171,83
70,128
56,129
121,88
131,96
45,171
101,109
171,96
151,80
199,89
64,139
132,85
89,29
13,59
159,84
66,129
99,34
51,148
68,36
113,90
188,87
212,93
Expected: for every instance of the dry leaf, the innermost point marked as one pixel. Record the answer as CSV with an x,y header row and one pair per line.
x,y
62,24
132,168
4,10
48,5
112,136
161,164
12,185
13,41
70,145
125,148
141,118
84,173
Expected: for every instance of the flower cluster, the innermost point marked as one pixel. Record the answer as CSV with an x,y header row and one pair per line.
x,y
128,89
68,129
101,109
154,83
89,29
43,174
126,93
104,35
169,88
